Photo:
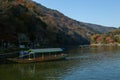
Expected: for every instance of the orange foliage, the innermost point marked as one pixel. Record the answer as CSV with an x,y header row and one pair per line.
x,y
30,5
109,40
99,39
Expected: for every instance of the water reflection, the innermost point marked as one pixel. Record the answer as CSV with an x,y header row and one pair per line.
x,y
101,63
37,71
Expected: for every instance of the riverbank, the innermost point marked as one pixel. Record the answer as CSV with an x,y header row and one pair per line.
x,y
105,44
3,57
9,53
9,50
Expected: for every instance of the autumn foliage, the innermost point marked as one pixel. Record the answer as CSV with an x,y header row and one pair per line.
x,y
111,37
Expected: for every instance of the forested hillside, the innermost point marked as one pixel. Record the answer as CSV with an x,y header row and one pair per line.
x,y
112,37
24,21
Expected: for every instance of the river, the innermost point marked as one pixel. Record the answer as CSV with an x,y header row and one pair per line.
x,y
89,63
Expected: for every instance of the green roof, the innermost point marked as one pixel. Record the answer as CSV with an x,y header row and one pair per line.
x,y
46,50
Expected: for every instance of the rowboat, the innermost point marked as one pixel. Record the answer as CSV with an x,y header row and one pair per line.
x,y
40,55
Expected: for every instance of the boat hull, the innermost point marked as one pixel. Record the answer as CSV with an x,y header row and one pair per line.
x,y
39,59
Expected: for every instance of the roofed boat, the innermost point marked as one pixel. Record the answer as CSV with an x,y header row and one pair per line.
x,y
40,55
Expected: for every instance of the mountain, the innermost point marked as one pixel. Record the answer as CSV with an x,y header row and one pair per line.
x,y
27,21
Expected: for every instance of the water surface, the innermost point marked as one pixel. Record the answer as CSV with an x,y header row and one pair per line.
x,y
101,63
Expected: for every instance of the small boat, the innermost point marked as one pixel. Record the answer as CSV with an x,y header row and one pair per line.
x,y
40,55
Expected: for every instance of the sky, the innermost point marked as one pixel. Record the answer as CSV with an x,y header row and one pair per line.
x,y
102,12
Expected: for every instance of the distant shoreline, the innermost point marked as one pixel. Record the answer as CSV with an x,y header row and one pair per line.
x,y
116,44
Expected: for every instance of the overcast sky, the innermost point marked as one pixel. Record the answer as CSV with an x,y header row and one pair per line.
x,y
103,12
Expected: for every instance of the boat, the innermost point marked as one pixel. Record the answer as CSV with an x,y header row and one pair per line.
x,y
40,55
